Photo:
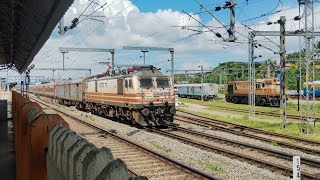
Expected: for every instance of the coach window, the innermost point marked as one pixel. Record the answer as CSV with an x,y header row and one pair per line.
x,y
130,83
263,85
126,83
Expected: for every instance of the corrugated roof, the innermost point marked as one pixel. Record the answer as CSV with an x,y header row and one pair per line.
x,y
25,26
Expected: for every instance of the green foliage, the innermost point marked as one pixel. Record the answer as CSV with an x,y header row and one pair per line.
x,y
213,167
273,124
274,143
232,71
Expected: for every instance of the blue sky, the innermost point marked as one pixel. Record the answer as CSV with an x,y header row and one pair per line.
x,y
250,8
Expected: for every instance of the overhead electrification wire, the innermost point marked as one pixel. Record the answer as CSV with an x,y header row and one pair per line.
x,y
101,7
85,9
216,33
132,3
260,34
40,57
212,15
270,12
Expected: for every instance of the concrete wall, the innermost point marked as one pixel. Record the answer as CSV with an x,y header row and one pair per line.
x,y
71,157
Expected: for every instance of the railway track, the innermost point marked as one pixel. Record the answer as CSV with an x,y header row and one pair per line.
x,y
271,159
297,143
140,161
272,114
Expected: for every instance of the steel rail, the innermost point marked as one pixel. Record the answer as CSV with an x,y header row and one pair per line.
x,y
246,128
231,130
276,153
184,167
286,170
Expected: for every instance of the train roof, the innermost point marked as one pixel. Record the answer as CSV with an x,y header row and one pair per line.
x,y
193,85
69,81
315,82
257,80
140,73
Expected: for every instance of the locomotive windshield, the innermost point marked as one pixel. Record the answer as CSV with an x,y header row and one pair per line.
x,y
146,83
162,83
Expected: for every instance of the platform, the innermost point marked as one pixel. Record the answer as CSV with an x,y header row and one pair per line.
x,y
7,150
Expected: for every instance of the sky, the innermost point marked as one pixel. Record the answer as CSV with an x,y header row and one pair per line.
x,y
162,23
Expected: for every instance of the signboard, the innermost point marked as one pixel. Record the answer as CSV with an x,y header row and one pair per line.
x,y
296,168
176,100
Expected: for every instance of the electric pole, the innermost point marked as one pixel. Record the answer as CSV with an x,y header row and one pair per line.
x,y
232,30
308,110
172,65
201,82
268,73
144,56
283,101
63,52
251,74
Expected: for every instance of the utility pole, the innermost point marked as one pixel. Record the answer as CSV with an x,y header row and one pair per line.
x,y
112,60
232,29
283,101
268,74
61,26
144,56
187,77
63,52
308,110
251,98
172,65
201,81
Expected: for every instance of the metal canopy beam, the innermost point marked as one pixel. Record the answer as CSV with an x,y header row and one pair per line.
x,y
67,49
64,50
147,48
287,33
61,69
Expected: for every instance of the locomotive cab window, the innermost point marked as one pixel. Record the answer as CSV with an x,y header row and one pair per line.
x,y
258,86
146,83
162,82
126,83
130,83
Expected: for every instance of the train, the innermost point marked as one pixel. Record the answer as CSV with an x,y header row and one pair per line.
x,y
141,95
316,89
194,91
267,92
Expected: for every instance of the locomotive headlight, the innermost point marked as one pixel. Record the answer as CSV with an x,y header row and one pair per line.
x,y
173,110
145,112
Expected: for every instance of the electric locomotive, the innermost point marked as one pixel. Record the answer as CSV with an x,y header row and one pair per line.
x,y
141,95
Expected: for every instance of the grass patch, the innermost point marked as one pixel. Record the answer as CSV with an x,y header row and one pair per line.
x,y
274,143
213,167
218,103
292,128
161,148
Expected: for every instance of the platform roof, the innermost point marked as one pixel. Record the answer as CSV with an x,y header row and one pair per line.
x,y
25,26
